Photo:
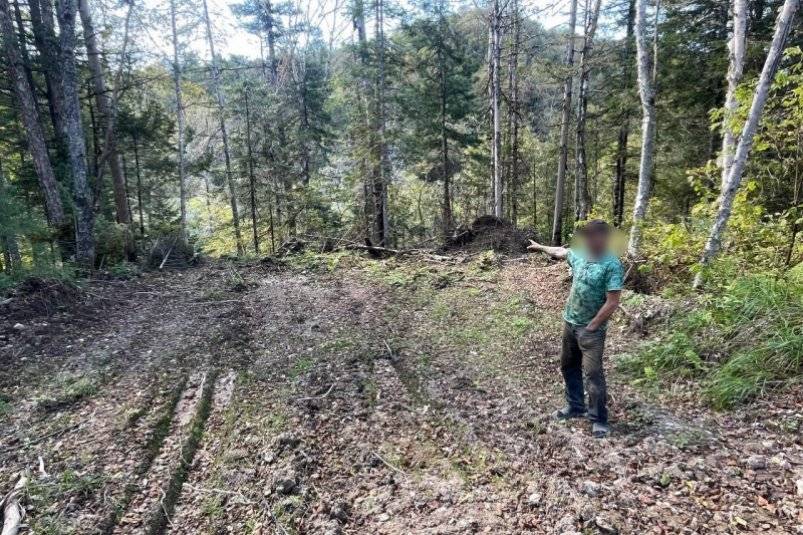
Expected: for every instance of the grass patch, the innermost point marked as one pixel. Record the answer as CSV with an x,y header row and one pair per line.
x,y
68,486
301,366
69,390
5,406
742,343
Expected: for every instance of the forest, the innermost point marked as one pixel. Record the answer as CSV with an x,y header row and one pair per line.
x,y
272,255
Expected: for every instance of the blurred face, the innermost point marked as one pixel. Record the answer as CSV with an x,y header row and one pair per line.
x,y
596,242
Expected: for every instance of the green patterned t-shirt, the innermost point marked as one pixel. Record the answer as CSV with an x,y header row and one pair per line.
x,y
591,281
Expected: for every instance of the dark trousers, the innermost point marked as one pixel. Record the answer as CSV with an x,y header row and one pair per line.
x,y
581,358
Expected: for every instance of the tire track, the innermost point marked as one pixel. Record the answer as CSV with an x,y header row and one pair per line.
x,y
154,496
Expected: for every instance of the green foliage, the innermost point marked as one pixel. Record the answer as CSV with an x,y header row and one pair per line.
x,y
111,241
741,343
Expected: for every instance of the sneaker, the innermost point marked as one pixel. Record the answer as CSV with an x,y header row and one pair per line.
x,y
567,413
599,430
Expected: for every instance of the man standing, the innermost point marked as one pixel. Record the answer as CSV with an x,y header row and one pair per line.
x,y
597,278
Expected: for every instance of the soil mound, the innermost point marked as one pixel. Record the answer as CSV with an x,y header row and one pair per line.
x,y
490,233
38,296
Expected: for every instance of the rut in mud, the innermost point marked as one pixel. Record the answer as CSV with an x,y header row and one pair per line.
x,y
344,395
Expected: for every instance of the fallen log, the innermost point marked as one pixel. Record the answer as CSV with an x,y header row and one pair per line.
x,y
13,513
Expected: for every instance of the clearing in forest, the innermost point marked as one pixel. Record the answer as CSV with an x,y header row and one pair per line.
x,y
329,394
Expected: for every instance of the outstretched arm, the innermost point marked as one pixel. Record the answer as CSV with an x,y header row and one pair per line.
x,y
555,252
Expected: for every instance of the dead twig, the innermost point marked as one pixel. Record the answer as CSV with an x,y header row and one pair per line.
x,y
317,397
223,302
164,260
37,440
386,463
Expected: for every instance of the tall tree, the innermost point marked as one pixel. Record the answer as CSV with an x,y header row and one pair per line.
x,y
221,105
34,133
620,176
514,112
104,106
435,93
252,186
46,42
495,90
560,182
646,89
737,46
76,146
182,172
783,25
446,202
382,163
582,199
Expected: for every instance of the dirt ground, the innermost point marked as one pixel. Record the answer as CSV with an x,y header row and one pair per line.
x,y
333,394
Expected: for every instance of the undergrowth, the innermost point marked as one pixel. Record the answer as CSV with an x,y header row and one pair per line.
x,y
739,344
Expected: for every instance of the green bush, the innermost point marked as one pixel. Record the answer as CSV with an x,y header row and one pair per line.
x,y
743,342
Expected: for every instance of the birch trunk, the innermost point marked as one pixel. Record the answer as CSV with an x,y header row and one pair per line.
x,y
182,178
74,132
216,89
496,141
582,199
783,25
560,182
139,187
647,95
104,107
737,50
34,133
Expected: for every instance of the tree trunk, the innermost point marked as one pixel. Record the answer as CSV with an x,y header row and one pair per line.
x,y
46,42
560,183
358,21
251,177
647,96
182,174
11,252
620,180
737,51
271,36
381,217
582,199
104,108
76,144
34,133
139,188
23,44
496,90
783,24
446,207
513,65
223,133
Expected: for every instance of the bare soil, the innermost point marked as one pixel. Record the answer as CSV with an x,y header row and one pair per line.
x,y
334,394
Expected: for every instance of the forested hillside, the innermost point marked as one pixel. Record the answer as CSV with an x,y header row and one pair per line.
x,y
397,123
265,266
